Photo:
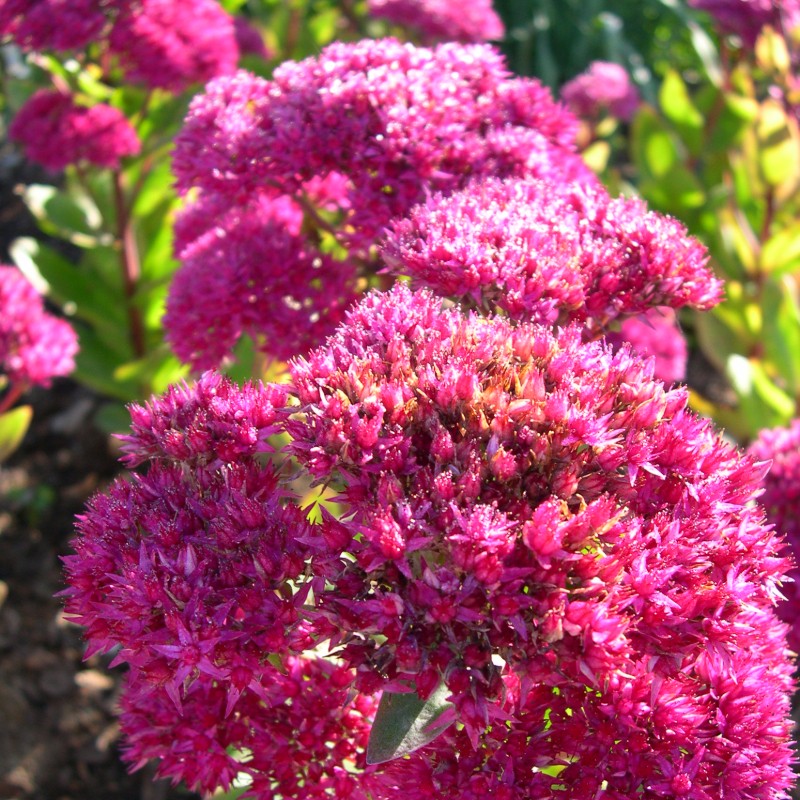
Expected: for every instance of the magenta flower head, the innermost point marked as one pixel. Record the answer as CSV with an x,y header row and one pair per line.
x,y
546,251
253,273
306,738
187,569
520,505
52,24
55,131
394,120
780,447
35,346
747,18
656,333
604,88
172,44
442,20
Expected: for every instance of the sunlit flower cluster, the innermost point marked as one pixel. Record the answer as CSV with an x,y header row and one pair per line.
x,y
512,492
547,251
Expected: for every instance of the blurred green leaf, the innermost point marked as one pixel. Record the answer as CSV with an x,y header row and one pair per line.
x,y
780,254
74,288
654,149
779,145
679,109
71,216
781,326
14,425
96,366
762,403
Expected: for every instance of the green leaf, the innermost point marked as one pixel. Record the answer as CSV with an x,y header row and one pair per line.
x,y
13,427
679,109
779,145
654,150
780,254
72,216
763,403
781,321
404,723
76,289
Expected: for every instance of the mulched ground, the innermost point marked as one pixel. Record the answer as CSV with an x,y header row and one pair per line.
x,y
58,735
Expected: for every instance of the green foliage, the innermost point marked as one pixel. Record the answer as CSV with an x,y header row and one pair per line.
x,y
404,723
14,425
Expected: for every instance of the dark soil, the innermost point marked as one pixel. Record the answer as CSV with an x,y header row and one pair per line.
x,y
58,735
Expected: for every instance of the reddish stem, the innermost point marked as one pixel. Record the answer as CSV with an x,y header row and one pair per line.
x,y
11,397
131,268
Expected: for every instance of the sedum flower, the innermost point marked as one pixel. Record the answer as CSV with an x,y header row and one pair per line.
x,y
603,88
656,333
55,131
35,346
747,18
548,251
442,20
396,121
514,496
171,44
187,569
780,447
251,272
52,24
304,738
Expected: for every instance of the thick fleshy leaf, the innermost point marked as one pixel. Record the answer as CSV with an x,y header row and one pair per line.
x,y
404,723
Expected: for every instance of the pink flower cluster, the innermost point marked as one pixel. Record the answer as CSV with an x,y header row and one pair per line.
x,y
340,145
656,333
550,251
780,448
603,88
529,518
163,43
35,346
747,18
305,738
55,131
509,492
395,120
443,20
253,272
195,573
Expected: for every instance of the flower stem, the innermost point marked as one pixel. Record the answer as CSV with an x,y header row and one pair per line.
x,y
131,268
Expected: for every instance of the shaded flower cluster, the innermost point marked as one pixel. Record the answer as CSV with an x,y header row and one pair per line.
x,y
251,272
780,447
443,20
747,18
172,44
162,43
604,88
656,334
53,24
35,346
512,492
548,251
187,569
305,740
55,131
